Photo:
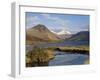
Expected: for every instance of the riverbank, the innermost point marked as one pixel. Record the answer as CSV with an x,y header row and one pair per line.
x,y
74,49
44,55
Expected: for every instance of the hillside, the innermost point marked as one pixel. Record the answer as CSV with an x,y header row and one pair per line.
x,y
80,36
39,33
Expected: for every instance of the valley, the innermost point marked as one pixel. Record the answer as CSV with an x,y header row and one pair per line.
x,y
45,48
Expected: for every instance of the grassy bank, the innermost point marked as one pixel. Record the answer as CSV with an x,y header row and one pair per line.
x,y
38,56
75,49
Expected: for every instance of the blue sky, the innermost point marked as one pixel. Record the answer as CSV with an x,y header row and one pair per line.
x,y
71,22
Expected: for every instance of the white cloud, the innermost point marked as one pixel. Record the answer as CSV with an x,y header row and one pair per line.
x,y
63,24
46,15
31,21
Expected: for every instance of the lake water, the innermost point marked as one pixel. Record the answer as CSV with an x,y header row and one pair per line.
x,y
64,43
68,58
54,44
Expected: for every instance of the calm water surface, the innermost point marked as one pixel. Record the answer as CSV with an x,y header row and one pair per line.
x,y
68,58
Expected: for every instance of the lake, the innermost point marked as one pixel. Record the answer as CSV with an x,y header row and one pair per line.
x,y
63,58
68,58
59,44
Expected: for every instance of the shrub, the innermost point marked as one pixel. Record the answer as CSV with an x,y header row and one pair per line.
x,y
40,55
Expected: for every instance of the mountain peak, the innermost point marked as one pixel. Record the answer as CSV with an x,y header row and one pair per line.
x,y
41,33
63,32
40,26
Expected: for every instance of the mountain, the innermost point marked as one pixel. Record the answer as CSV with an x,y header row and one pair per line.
x,y
39,33
63,34
80,36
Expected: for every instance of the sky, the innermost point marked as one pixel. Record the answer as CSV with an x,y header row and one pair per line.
x,y
70,22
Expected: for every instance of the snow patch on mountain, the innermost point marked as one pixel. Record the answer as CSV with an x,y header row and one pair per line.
x,y
62,32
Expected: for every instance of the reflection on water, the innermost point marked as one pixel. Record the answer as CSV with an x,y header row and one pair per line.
x,y
68,58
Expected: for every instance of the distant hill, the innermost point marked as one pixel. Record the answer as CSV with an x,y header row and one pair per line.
x,y
80,36
39,33
63,34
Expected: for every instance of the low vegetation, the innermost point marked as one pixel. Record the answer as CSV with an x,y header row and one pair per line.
x,y
37,56
76,49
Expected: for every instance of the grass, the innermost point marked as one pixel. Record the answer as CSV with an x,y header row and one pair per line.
x,y
38,55
78,49
81,48
56,40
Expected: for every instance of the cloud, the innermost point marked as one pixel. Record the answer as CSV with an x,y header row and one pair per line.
x,y
54,21
46,16
31,21
63,24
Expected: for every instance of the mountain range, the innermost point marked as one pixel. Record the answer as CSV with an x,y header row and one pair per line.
x,y
40,33
80,36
